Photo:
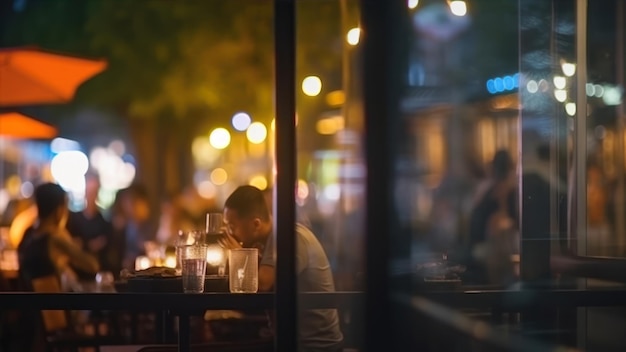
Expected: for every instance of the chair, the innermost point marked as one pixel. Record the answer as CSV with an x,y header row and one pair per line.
x,y
59,331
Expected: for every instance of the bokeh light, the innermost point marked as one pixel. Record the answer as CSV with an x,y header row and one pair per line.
x,y
214,255
241,121
219,138
353,36
560,95
412,4
27,189
203,152
219,176
458,7
559,82
256,133
569,69
259,181
312,86
63,144
532,86
115,173
335,98
330,125
206,189
69,169
67,166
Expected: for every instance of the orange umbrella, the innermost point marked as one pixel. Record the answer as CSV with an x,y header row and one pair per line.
x,y
16,125
32,76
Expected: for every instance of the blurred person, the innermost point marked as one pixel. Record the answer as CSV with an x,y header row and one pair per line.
x,y
133,223
249,224
540,225
47,247
183,212
191,209
89,227
117,243
494,224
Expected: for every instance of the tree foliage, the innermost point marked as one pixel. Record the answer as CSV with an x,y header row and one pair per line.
x,y
182,59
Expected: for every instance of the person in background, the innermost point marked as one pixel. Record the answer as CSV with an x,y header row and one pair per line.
x,y
133,223
249,224
47,247
89,227
494,224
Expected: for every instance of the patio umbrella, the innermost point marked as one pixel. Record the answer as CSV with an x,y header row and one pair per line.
x,y
33,76
17,125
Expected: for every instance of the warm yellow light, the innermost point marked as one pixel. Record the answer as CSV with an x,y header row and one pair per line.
x,y
412,4
219,138
312,86
273,124
259,181
142,262
219,176
206,189
170,261
353,36
330,125
335,98
214,255
256,133
458,7
559,82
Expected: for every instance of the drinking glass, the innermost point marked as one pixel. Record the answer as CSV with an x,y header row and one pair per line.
x,y
186,238
193,258
214,223
216,255
243,271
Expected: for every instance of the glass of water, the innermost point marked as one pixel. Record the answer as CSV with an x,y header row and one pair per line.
x,y
243,270
193,259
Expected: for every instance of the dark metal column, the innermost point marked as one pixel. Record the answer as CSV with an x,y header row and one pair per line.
x,y
382,52
285,214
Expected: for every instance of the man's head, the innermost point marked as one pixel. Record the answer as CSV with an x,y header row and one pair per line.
x,y
51,202
247,216
92,187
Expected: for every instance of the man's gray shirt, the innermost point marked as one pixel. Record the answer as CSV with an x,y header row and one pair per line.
x,y
318,329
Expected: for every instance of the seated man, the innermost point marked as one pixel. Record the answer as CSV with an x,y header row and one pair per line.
x,y
249,223
46,247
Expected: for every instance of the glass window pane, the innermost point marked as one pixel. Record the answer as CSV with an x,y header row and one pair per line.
x,y
330,195
508,174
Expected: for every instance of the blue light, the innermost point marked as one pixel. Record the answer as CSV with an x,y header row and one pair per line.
x,y
508,83
491,87
498,84
501,84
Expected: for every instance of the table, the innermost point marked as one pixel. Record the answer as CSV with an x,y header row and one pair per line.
x,y
182,304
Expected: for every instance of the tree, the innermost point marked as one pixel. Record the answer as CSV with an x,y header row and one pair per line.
x,y
176,68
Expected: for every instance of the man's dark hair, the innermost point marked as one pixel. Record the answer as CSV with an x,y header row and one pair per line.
x,y
248,201
49,197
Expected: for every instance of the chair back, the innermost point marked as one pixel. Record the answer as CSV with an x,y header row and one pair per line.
x,y
53,320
